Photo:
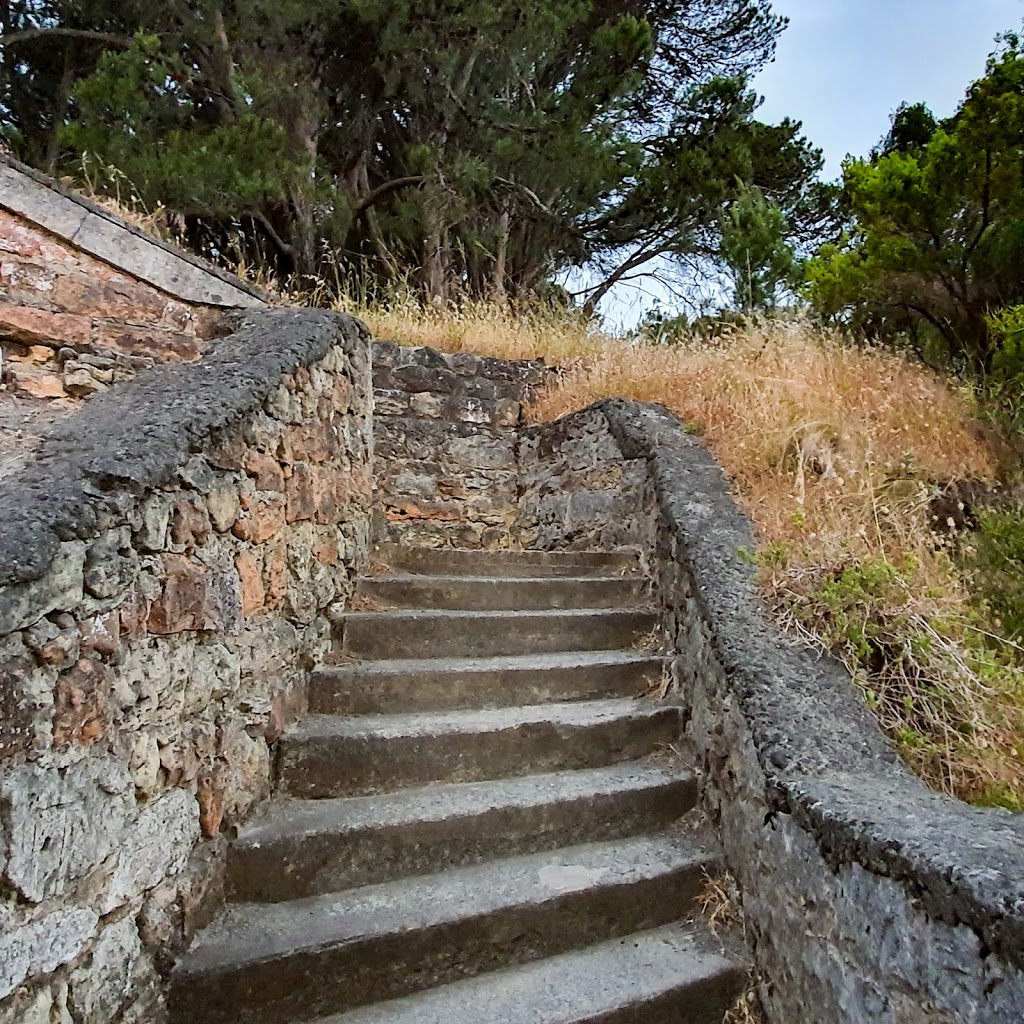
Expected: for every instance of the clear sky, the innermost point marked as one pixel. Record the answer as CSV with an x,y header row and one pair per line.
x,y
844,66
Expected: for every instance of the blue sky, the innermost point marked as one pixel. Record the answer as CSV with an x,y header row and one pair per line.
x,y
844,66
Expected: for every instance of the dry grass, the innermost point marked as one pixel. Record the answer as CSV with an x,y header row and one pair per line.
x,y
719,903
557,338
836,453
747,1010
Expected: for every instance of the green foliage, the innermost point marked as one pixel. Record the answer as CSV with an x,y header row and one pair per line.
x,y
995,561
136,113
936,224
474,149
942,686
755,248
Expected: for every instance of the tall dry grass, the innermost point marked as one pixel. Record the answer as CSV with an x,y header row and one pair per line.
x,y
836,452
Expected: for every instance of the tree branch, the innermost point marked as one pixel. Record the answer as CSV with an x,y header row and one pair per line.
x,y
381,191
122,42
260,218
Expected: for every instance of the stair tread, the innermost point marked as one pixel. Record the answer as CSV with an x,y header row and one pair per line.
x,y
247,934
476,720
557,660
584,985
515,581
442,802
588,556
458,614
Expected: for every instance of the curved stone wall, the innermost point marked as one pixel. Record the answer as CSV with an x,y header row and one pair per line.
x,y
867,897
169,562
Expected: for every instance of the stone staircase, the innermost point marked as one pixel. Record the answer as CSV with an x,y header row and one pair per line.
x,y
479,820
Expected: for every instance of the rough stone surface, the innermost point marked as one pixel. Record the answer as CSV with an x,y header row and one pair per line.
x,y
665,976
446,471
330,952
40,946
866,896
152,650
86,302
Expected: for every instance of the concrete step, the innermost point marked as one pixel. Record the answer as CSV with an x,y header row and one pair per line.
x,y
302,848
462,562
499,593
396,685
469,634
671,975
269,964
327,755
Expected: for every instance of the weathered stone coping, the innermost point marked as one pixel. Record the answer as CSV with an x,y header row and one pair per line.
x,y
97,231
137,436
824,757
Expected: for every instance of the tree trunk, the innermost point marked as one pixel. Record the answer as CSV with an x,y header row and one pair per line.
x,y
499,293
434,290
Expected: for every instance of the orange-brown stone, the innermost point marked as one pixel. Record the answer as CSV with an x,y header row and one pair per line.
x,y
261,520
250,572
80,712
275,572
210,794
41,326
266,470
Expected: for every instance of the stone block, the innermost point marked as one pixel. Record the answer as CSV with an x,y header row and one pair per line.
x,y
102,985
250,573
264,518
61,825
265,469
17,715
43,327
81,712
154,519
189,523
110,564
22,604
223,508
195,596
155,847
39,947
39,382
303,493
160,343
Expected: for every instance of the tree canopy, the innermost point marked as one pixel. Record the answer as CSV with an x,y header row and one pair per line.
x,y
474,148
935,239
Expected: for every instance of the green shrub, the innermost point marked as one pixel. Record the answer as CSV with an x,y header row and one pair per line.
x,y
995,564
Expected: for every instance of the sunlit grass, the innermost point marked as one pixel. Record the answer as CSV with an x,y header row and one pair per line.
x,y
836,453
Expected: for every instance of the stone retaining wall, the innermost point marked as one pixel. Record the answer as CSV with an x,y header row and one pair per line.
x,y
86,299
867,898
446,445
169,564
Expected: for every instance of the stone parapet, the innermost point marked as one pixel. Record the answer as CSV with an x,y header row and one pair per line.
x,y
867,897
169,563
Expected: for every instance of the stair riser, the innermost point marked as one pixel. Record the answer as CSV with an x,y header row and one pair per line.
x,y
424,636
338,977
349,766
501,595
705,1001
350,690
297,866
448,562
